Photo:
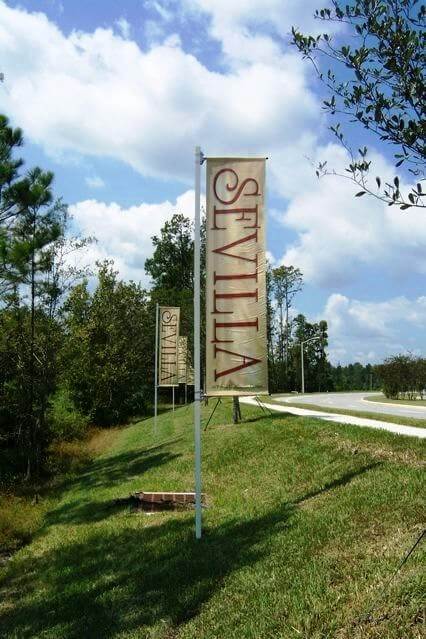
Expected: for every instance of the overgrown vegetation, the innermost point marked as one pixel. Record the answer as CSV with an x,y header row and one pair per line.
x,y
24,505
34,276
107,348
72,353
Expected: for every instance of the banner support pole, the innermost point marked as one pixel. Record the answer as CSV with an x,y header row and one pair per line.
x,y
197,362
156,369
173,395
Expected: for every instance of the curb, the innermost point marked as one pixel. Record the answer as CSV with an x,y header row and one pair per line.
x,y
369,401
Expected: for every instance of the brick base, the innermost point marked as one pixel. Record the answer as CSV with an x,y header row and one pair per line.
x,y
150,501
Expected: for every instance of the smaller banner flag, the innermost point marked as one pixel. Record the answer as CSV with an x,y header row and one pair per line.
x,y
168,346
182,359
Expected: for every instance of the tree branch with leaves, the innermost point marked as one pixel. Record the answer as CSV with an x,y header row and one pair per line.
x,y
377,81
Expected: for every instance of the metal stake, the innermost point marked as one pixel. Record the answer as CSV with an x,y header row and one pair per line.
x,y
212,413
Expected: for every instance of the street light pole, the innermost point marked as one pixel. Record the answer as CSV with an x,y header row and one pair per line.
x,y
311,339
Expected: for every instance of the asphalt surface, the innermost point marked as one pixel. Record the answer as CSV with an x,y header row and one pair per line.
x,y
354,401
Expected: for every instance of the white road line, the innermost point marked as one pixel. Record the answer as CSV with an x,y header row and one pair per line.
x,y
399,429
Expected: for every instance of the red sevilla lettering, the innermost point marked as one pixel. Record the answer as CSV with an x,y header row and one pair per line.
x,y
222,249
247,361
254,324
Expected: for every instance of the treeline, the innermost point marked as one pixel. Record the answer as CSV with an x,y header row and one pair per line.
x,y
286,333
403,377
353,377
72,353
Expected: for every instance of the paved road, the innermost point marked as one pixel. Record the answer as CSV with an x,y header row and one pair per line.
x,y
355,401
399,429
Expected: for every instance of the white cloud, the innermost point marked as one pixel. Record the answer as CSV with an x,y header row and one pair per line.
x,y
370,331
245,29
124,235
94,182
99,94
338,232
124,27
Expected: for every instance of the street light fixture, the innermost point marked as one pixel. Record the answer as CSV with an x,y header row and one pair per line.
x,y
311,339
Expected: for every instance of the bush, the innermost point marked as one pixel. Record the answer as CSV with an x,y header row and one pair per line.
x,y
65,421
403,376
108,353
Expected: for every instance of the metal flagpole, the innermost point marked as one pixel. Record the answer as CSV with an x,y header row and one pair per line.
x,y
197,363
156,368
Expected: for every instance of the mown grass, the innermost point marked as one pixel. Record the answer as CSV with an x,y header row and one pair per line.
x,y
384,400
305,524
383,417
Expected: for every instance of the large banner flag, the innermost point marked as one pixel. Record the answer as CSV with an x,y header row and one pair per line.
x,y
168,346
182,360
236,358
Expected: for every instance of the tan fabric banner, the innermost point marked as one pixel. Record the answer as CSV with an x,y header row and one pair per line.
x,y
168,346
191,376
182,360
236,358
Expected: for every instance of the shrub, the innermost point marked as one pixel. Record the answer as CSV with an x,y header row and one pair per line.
x,y
403,376
65,421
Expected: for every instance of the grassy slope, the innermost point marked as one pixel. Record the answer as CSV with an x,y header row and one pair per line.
x,y
408,402
306,522
383,417
21,514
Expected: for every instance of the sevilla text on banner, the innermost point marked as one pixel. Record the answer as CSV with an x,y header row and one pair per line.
x,y
236,286
168,346
182,360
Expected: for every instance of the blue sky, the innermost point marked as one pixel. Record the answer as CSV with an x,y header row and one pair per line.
x,y
113,96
